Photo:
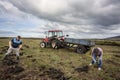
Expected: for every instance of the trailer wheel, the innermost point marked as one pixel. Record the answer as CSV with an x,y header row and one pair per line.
x,y
81,49
55,44
42,44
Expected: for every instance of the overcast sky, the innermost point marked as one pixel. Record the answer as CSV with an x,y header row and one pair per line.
x,y
78,18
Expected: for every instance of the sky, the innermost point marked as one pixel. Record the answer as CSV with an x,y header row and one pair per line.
x,y
77,18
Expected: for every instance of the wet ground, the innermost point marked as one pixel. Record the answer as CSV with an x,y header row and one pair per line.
x,y
82,69
53,73
13,71
3,49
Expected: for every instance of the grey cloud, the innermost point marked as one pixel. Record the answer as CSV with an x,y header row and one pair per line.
x,y
6,32
30,31
108,2
77,12
74,15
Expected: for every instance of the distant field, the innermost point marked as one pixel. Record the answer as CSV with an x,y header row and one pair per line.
x,y
108,42
62,64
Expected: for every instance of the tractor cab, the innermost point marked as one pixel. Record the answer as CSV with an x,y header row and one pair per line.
x,y
54,33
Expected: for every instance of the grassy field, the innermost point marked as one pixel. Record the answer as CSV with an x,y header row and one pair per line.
x,y
62,64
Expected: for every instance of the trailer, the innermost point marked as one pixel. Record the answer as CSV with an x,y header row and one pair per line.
x,y
80,45
56,40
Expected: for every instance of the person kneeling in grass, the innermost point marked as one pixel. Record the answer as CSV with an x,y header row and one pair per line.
x,y
97,52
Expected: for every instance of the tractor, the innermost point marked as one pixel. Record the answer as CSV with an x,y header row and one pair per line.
x,y
54,39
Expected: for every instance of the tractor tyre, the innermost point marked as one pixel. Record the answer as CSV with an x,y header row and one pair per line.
x,y
55,44
81,49
42,44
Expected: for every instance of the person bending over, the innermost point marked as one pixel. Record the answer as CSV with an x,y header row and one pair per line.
x,y
97,52
15,45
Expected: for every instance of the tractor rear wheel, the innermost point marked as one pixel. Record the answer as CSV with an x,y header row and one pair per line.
x,y
55,44
42,44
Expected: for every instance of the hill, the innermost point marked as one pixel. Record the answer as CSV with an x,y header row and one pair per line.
x,y
114,38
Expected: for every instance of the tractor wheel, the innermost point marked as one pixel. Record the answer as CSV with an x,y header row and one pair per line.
x,y
55,44
42,44
81,49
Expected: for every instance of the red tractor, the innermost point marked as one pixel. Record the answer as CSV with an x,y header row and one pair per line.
x,y
54,38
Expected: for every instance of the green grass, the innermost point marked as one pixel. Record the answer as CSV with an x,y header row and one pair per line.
x,y
66,60
108,42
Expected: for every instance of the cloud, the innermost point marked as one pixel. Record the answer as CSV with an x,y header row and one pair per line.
x,y
9,10
97,18
6,32
98,12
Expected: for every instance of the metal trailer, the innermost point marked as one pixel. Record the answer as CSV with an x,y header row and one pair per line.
x,y
80,45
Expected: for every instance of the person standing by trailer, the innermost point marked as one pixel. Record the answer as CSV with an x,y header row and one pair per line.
x,y
97,52
15,45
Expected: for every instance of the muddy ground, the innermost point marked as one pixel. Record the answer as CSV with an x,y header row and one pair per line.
x,y
63,64
11,69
